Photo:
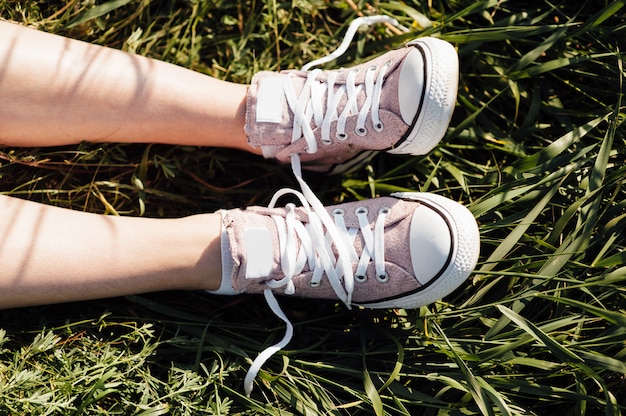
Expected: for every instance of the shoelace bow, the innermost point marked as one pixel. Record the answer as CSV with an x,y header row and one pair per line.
x,y
322,232
326,245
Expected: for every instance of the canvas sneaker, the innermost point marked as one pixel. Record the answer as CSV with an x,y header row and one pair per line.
x,y
335,120
402,251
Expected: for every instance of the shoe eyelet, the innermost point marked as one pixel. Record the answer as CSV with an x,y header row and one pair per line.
x,y
373,68
360,279
388,63
383,278
384,210
338,211
327,142
314,284
361,131
361,211
379,127
341,136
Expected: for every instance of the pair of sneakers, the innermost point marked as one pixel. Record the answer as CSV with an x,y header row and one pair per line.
x,y
402,251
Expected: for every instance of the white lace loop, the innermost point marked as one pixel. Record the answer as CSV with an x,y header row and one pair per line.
x,y
347,38
308,106
326,245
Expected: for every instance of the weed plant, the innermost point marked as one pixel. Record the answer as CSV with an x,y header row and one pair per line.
x,y
535,149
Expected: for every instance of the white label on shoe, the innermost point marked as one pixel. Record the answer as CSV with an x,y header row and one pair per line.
x,y
259,252
270,100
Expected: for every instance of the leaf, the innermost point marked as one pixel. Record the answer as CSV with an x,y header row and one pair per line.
x,y
557,349
372,393
97,11
617,318
608,11
509,242
558,146
474,386
614,260
554,64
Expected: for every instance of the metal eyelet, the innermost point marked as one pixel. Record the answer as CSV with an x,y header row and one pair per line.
x,y
361,210
327,142
379,127
383,278
360,279
338,211
384,210
314,284
341,136
361,131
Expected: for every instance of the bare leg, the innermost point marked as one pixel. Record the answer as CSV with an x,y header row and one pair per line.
x,y
57,91
51,254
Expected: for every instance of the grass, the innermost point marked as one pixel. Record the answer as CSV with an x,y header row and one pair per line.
x,y
535,149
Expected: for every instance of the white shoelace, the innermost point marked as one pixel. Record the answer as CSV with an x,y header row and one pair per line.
x,y
326,244
309,105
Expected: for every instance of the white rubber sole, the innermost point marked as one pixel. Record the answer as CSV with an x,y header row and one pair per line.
x,y
442,81
463,259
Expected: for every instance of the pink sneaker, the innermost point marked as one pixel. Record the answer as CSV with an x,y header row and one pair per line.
x,y
403,251
400,102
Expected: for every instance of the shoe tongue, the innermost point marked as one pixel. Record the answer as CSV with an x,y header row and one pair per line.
x,y
254,247
268,119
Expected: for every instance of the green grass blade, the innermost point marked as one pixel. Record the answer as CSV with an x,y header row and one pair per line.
x,y
97,11
557,349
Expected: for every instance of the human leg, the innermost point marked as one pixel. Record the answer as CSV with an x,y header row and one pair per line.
x,y
403,251
52,255
286,251
57,91
61,91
